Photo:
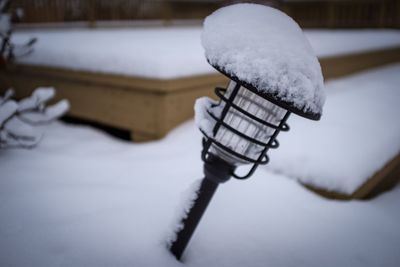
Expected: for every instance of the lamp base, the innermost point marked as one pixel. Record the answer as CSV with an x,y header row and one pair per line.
x,y
217,170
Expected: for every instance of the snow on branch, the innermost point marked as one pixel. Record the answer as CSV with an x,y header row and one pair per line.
x,y
18,119
8,50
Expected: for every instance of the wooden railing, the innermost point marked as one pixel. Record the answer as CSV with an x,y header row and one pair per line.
x,y
345,14
105,10
309,13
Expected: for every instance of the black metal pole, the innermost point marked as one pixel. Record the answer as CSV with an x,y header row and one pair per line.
x,y
216,171
206,192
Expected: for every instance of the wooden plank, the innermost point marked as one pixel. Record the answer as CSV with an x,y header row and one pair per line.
x,y
120,81
342,65
119,108
149,108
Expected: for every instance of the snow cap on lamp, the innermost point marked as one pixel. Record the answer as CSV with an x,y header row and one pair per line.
x,y
265,49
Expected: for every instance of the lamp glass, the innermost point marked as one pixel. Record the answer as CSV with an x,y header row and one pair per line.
x,y
255,105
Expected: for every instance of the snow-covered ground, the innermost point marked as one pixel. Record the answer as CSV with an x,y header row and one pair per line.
x,y
82,198
167,52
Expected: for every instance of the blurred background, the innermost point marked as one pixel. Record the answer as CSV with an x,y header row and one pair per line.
x,y
308,13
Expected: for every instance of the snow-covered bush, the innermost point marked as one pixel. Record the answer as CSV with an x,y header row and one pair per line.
x,y
9,50
17,119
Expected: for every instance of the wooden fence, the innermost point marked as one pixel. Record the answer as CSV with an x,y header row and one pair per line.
x,y
309,13
345,14
105,10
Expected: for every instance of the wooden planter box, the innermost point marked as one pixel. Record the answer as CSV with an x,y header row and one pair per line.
x,y
149,108
343,65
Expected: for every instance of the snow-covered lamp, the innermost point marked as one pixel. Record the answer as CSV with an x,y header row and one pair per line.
x,y
273,72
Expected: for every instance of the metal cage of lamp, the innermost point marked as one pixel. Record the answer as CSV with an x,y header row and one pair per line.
x,y
240,137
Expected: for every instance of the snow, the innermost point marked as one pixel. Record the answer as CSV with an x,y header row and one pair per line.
x,y
202,119
33,108
7,95
5,24
187,200
17,132
166,52
265,48
157,52
82,198
356,137
19,12
11,127
48,114
7,109
39,97
17,119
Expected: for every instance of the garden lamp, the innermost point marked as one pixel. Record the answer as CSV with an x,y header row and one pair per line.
x,y
243,125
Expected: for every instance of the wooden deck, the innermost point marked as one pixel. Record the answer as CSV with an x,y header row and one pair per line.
x,y
150,108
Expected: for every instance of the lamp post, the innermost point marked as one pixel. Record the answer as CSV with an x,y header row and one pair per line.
x,y
243,133
239,129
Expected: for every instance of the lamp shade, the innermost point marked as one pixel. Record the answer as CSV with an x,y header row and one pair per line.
x,y
265,50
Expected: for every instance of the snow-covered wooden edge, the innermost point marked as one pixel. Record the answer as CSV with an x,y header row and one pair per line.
x,y
148,108
342,65
153,85
381,181
332,67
